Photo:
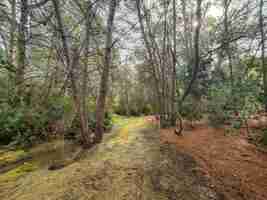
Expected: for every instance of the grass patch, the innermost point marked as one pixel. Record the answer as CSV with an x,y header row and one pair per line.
x,y
16,173
12,156
119,120
127,125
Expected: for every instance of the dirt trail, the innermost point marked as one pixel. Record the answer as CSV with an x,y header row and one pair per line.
x,y
234,166
131,164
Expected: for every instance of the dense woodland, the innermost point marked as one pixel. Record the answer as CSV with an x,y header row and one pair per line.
x,y
133,99
66,66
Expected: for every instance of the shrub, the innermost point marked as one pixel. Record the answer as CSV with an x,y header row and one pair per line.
x,y
25,124
192,109
75,127
108,123
21,124
218,105
264,138
232,105
147,109
11,124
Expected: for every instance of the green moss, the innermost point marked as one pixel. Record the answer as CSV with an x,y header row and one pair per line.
x,y
119,120
126,124
12,156
16,173
123,120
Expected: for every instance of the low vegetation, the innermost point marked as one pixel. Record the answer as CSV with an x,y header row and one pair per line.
x,y
76,70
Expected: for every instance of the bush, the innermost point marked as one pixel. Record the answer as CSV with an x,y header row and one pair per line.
x,y
134,110
147,109
264,138
10,124
192,109
224,104
108,123
75,127
218,105
23,125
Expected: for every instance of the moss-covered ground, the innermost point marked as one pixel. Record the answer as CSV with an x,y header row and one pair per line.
x,y
9,157
131,163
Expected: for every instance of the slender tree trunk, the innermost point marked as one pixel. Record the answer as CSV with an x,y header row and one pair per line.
x,y
186,32
84,93
85,132
151,62
164,65
21,45
227,40
196,51
12,32
100,108
11,47
264,70
62,33
173,96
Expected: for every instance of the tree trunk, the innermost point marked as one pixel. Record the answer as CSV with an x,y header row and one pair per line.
x,y
21,45
227,41
100,107
12,32
264,70
186,33
196,48
84,93
85,132
151,61
173,96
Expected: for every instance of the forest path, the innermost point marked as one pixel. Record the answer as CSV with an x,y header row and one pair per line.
x,y
235,167
130,164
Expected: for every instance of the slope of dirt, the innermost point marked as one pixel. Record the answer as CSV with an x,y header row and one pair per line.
x,y
131,164
234,166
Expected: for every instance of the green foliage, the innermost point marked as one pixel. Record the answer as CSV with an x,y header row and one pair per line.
x,y
232,105
17,172
1,55
264,138
75,127
218,98
26,124
192,109
119,120
133,110
237,124
21,124
147,109
56,107
108,121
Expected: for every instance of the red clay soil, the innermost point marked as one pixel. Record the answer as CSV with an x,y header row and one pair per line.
x,y
234,167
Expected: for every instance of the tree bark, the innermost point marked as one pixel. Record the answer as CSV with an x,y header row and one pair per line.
x,y
196,51
21,45
13,26
264,70
71,64
227,40
151,60
173,96
100,107
186,33
84,93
